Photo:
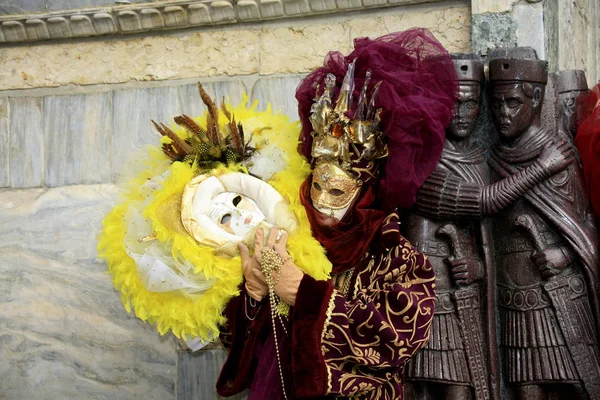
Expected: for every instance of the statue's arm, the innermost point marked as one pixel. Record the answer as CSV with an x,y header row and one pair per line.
x,y
445,195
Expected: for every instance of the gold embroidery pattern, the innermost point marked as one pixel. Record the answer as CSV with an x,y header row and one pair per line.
x,y
368,338
342,281
329,334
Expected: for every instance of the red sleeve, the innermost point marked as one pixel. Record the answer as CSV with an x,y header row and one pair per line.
x,y
240,335
308,365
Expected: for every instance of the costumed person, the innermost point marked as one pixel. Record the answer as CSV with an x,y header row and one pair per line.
x,y
448,225
588,143
373,129
547,254
171,243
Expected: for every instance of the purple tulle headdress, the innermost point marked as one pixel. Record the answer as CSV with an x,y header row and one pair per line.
x,y
417,93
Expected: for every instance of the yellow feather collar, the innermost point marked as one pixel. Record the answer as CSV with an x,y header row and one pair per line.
x,y
200,317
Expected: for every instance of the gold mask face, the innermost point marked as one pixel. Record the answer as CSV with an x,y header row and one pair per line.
x,y
332,187
345,150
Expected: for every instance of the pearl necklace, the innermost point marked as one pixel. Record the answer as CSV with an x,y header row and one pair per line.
x,y
270,265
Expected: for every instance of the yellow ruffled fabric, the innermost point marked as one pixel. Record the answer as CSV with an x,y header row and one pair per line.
x,y
201,316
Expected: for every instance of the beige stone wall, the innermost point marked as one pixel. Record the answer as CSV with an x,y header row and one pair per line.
x,y
284,47
579,37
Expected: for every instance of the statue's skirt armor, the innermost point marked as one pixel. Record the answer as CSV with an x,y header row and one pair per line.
x,y
442,360
533,345
532,342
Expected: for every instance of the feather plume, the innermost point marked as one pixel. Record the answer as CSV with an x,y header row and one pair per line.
x,y
236,139
213,116
225,110
211,132
168,150
180,147
191,126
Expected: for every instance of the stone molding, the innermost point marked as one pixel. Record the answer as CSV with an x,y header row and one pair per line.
x,y
165,15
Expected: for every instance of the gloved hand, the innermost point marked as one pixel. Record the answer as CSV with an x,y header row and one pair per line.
x,y
255,285
289,277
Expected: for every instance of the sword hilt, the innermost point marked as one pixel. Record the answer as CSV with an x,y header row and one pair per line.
x,y
450,231
526,222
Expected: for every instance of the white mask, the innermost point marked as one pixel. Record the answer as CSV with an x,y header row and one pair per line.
x,y
235,213
217,210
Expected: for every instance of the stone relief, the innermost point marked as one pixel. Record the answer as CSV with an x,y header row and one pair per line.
x,y
163,15
509,231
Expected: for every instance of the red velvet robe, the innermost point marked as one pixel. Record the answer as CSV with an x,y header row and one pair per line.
x,y
350,340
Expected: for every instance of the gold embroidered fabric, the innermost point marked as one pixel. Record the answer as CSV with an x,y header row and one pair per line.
x,y
368,337
342,281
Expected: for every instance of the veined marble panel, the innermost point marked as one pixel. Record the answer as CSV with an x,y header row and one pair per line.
x,y
64,333
279,92
198,373
78,133
133,111
530,27
4,141
26,165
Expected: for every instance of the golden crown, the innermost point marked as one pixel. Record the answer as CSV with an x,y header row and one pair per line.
x,y
335,135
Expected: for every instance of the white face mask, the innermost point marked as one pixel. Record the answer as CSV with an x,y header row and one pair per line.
x,y
235,213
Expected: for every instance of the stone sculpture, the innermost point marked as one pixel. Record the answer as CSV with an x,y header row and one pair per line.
x,y
546,247
538,261
454,359
572,95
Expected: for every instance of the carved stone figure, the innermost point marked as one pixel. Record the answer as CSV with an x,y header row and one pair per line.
x,y
572,95
453,362
546,247
458,191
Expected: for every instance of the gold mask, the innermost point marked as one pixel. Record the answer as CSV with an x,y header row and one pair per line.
x,y
332,187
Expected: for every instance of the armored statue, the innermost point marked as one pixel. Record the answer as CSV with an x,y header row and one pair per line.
x,y
572,95
458,191
546,247
453,362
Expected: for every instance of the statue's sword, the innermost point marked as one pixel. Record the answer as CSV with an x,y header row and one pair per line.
x,y
469,311
557,288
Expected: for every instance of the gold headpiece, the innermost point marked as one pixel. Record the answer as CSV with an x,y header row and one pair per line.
x,y
337,137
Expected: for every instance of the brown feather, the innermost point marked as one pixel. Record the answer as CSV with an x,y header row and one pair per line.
x,y
240,130
213,116
211,131
191,126
225,110
167,149
236,140
180,146
233,129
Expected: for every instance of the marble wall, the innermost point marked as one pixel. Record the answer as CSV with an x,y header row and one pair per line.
x,y
64,333
71,113
79,139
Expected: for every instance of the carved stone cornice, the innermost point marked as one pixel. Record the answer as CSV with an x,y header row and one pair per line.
x,y
168,15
